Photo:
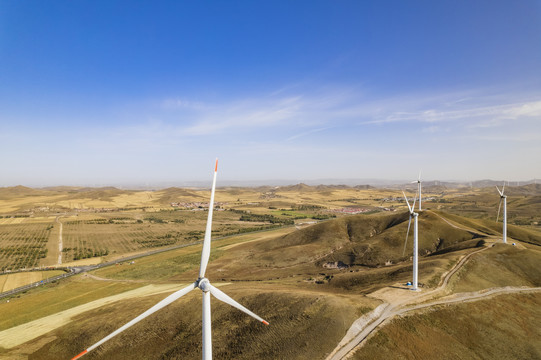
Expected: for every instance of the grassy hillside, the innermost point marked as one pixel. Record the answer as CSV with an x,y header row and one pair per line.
x,y
503,265
54,297
359,240
303,326
371,245
476,330
169,195
13,192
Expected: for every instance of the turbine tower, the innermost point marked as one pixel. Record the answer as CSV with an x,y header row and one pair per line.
x,y
202,283
418,181
415,241
504,199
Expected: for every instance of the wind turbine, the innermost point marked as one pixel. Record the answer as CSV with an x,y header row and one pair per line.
x,y
415,240
418,181
201,283
504,199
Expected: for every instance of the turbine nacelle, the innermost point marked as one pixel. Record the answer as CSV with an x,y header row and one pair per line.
x,y
203,284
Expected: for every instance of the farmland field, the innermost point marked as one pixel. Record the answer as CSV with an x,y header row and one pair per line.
x,y
23,245
93,235
136,221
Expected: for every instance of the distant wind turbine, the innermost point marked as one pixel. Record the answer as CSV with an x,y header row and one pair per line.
x,y
418,181
504,199
201,283
415,240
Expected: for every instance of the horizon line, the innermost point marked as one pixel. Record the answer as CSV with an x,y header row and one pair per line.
x,y
351,182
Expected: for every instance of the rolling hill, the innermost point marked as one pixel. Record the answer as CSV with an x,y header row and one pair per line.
x,y
354,241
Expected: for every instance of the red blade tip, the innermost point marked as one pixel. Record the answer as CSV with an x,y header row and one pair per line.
x,y
264,322
81,354
216,166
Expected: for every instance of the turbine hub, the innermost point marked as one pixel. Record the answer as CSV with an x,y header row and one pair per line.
x,y
203,284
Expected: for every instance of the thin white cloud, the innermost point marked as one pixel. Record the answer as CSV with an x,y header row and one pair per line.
x,y
431,129
247,114
478,116
306,133
178,103
521,137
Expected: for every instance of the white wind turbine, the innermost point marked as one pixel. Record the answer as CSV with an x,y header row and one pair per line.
x,y
504,199
415,240
201,283
418,181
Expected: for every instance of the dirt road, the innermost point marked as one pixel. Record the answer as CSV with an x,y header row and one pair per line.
x,y
400,301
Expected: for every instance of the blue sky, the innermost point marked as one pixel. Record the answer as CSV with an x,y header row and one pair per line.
x,y
136,92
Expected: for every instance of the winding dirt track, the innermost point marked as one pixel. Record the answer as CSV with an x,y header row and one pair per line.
x,y
397,303
391,311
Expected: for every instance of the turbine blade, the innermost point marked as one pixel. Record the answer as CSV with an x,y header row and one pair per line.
x,y
168,300
419,175
205,253
414,200
407,233
499,207
407,202
503,188
220,295
499,192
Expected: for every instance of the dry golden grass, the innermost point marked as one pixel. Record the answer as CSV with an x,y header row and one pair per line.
x,y
16,280
503,327
502,265
30,330
55,297
303,325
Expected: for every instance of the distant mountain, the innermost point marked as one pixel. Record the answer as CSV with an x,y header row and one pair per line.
x,y
364,187
297,188
19,191
174,194
321,184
